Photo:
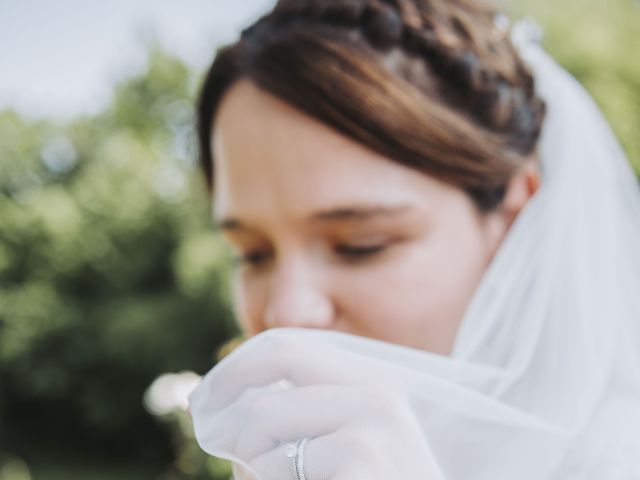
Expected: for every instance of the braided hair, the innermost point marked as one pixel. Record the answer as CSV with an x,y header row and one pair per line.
x,y
435,85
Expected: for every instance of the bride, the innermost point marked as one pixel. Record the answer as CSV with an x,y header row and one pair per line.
x,y
442,221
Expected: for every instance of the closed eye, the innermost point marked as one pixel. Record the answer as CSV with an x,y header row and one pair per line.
x,y
356,252
252,259
260,258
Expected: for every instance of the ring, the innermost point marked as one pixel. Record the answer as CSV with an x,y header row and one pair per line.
x,y
296,454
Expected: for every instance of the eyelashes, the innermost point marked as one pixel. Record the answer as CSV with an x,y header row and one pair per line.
x,y
356,252
344,252
255,259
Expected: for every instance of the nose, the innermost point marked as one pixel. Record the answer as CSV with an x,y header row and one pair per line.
x,y
297,299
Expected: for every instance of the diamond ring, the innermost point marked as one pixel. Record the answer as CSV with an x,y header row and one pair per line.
x,y
296,454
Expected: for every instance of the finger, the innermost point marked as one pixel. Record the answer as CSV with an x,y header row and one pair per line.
x,y
330,457
273,418
288,461
262,419
276,355
275,464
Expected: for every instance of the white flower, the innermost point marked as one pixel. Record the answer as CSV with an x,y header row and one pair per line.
x,y
170,392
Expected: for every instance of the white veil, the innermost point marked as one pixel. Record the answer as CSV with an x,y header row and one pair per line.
x,y
544,378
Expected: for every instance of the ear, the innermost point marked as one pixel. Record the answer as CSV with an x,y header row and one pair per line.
x,y
522,186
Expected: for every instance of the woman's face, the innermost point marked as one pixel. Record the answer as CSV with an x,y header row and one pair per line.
x,y
332,235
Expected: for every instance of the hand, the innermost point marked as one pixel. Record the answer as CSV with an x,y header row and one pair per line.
x,y
359,423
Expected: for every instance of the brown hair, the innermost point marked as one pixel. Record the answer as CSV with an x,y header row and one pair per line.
x,y
432,84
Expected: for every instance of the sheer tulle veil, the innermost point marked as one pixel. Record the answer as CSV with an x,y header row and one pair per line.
x,y
544,378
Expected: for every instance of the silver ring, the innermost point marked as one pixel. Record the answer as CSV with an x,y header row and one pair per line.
x,y
296,454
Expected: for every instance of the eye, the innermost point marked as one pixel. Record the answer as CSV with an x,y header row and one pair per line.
x,y
357,252
253,259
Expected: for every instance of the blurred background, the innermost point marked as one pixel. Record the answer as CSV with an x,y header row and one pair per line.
x,y
113,285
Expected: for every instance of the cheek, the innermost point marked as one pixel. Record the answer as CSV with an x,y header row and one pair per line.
x,y
249,300
401,298
418,297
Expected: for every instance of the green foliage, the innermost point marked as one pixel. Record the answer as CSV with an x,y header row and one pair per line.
x,y
110,273
598,42
191,463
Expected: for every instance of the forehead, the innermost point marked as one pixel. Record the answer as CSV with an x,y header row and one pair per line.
x,y
270,157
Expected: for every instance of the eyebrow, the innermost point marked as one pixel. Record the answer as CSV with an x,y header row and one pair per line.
x,y
338,214
360,213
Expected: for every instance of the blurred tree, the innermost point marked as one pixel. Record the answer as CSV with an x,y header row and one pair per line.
x,y
598,42
109,271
